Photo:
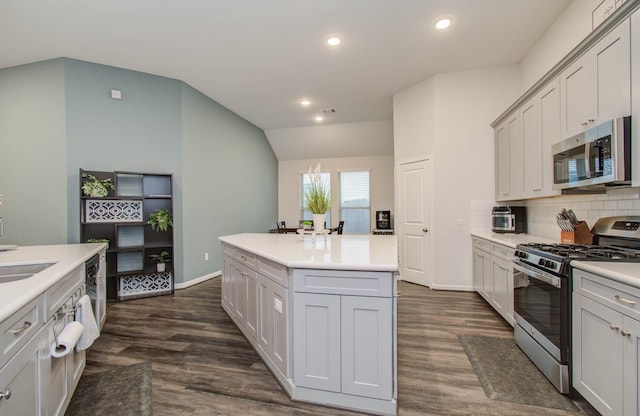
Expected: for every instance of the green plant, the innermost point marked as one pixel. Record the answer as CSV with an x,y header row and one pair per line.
x,y
160,220
98,240
317,197
163,257
96,187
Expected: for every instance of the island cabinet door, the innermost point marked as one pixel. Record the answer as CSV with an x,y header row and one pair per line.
x,y
265,316
228,297
251,287
316,332
367,347
280,324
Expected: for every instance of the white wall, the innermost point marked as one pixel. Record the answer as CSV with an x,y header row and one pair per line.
x,y
381,184
569,29
449,116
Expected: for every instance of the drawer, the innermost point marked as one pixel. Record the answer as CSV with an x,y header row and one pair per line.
x,y
228,250
274,271
482,244
56,295
505,252
340,282
246,258
623,298
17,329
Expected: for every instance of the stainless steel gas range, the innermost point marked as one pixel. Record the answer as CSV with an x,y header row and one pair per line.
x,y
542,291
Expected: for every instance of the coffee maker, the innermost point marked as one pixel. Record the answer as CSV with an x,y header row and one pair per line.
x,y
383,220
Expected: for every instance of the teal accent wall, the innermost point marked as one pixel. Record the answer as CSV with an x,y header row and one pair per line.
x,y
140,133
58,116
229,180
32,154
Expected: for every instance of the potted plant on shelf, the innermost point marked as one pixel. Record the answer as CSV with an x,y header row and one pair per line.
x,y
317,198
98,240
97,188
161,260
160,220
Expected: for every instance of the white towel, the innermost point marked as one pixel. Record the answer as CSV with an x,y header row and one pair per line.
x,y
84,315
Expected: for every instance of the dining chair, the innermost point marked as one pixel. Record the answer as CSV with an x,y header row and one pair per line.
x,y
340,227
282,227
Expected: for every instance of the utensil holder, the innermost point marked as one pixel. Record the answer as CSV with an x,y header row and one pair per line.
x,y
580,235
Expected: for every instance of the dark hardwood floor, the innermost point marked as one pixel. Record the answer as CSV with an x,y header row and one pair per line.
x,y
202,365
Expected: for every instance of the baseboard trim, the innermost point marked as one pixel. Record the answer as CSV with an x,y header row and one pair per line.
x,y
197,280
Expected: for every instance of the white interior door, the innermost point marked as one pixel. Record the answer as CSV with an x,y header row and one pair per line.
x,y
416,259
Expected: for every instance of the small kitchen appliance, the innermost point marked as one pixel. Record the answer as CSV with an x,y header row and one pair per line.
x,y
542,291
509,219
383,220
600,155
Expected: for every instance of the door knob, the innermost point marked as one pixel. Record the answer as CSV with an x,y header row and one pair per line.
x,y
425,230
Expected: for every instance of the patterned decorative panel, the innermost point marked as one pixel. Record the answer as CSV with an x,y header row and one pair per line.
x,y
142,285
99,210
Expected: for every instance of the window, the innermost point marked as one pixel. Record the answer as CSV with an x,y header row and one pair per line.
x,y
305,183
355,203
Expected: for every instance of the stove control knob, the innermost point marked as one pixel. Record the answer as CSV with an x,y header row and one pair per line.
x,y
550,264
541,262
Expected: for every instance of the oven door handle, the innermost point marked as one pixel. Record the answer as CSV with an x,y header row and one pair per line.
x,y
546,278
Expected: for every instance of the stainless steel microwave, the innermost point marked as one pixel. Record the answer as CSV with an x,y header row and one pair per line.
x,y
600,155
509,219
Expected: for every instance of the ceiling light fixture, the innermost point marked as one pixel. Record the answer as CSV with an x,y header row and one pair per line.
x,y
319,118
305,103
334,40
443,23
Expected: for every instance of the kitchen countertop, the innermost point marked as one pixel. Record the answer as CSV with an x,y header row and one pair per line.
x,y
512,240
628,273
337,252
16,294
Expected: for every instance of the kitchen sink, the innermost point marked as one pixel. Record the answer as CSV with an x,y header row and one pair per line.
x,y
21,271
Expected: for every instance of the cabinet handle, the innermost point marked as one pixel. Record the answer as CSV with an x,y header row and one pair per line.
x,y
24,327
623,300
614,327
625,333
6,395
585,124
591,120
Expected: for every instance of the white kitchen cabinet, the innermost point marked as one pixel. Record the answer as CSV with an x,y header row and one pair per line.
x,y
635,94
482,277
257,304
343,343
606,347
597,86
540,120
509,159
20,382
493,262
516,157
273,321
502,162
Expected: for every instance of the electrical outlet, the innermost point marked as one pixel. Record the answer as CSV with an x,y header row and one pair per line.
x,y
206,256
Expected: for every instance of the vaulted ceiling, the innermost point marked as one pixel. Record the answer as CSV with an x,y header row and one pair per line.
x,y
259,58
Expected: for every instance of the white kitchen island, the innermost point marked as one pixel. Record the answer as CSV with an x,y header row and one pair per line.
x,y
321,313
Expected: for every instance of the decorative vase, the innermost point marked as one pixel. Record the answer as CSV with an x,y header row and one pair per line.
x,y
318,223
160,267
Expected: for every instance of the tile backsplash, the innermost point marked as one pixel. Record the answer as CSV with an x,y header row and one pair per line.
x,y
541,213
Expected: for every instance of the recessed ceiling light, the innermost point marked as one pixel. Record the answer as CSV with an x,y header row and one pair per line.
x,y
443,23
334,40
319,118
305,103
